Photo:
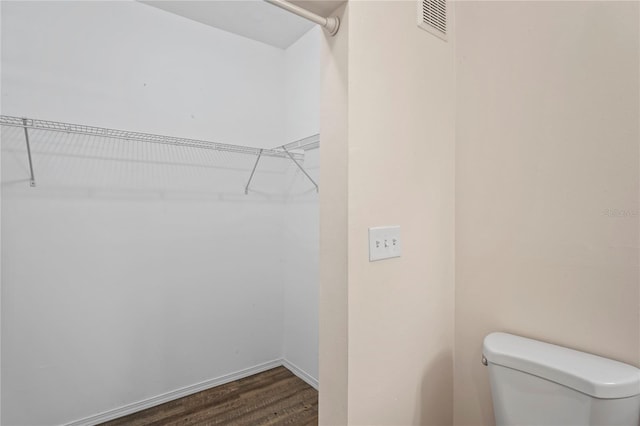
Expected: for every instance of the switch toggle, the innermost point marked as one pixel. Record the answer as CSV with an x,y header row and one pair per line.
x,y
384,242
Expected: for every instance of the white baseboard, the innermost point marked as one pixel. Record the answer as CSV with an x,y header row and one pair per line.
x,y
312,381
178,393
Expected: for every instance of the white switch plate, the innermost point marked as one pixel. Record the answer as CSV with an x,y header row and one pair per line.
x,y
384,242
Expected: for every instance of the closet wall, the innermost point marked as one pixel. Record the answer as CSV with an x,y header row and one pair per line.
x,y
134,270
301,226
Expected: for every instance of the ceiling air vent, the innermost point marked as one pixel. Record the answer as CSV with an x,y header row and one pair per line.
x,y
432,17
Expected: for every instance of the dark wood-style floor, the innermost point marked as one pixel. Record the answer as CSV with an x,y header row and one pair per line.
x,y
275,397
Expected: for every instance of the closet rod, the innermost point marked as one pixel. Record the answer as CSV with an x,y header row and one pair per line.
x,y
55,126
331,24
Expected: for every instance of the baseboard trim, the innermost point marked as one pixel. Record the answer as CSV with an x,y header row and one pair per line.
x,y
313,382
179,393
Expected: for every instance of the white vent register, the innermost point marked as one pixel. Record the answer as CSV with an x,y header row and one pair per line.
x,y
432,17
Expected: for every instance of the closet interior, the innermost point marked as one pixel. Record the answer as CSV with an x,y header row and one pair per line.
x,y
160,182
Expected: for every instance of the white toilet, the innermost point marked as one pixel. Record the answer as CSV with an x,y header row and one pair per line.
x,y
536,383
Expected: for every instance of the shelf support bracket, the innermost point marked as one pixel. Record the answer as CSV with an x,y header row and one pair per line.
x,y
246,188
32,180
301,168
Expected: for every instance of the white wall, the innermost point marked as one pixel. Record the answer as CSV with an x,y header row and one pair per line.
x,y
159,72
133,270
302,86
0,231
547,178
301,222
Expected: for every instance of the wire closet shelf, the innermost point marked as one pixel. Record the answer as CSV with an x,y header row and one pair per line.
x,y
284,151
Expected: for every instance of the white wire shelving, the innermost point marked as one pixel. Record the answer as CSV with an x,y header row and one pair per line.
x,y
311,142
284,151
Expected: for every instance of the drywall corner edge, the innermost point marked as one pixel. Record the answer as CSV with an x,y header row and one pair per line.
x,y
333,353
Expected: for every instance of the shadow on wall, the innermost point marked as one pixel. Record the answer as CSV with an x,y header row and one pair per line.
x,y
434,405
481,385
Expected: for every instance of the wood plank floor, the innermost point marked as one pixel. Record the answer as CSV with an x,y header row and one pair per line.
x,y
274,397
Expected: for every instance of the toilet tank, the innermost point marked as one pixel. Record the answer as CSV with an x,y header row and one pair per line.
x,y
537,383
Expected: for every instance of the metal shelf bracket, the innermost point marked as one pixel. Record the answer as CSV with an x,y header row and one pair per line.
x,y
32,180
301,168
246,188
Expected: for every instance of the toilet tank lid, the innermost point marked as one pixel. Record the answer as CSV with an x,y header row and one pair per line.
x,y
590,374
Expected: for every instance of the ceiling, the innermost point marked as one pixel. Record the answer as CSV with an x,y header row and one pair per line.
x,y
319,7
253,19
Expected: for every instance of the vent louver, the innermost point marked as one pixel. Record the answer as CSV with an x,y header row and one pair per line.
x,y
433,17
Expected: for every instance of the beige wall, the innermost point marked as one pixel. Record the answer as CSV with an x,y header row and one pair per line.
x,y
396,82
546,182
400,172
544,105
333,227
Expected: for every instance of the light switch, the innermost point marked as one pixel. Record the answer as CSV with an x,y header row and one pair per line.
x,y
384,242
